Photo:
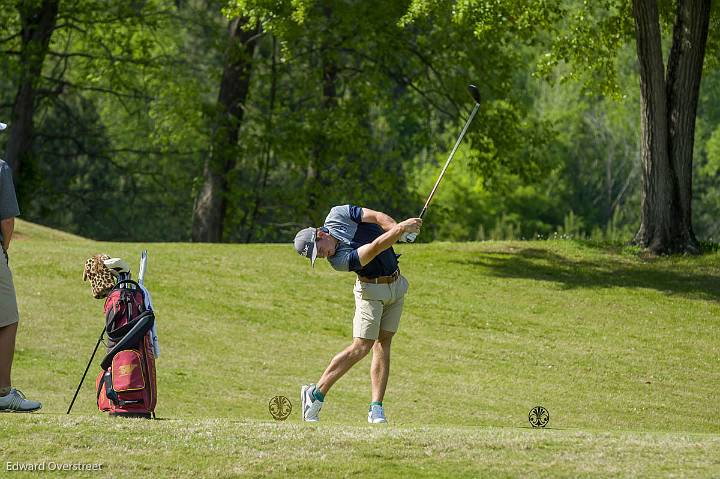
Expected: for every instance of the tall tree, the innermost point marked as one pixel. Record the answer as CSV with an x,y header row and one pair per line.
x,y
95,153
37,21
668,111
322,151
590,34
211,203
363,96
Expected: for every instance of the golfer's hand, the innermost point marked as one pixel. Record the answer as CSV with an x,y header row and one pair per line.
x,y
411,225
408,237
410,229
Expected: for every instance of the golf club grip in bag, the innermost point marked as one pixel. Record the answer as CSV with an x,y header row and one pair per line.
x,y
127,384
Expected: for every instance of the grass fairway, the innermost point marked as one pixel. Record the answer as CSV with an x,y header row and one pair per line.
x,y
623,351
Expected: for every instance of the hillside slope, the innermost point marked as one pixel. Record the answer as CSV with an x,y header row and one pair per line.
x,y
607,341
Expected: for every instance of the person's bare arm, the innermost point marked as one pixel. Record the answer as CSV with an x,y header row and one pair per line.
x,y
381,219
368,252
7,226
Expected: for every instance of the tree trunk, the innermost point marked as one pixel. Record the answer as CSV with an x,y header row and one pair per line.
x,y
211,203
264,167
322,149
685,65
38,22
668,109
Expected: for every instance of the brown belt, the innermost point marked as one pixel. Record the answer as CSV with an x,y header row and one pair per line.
x,y
381,279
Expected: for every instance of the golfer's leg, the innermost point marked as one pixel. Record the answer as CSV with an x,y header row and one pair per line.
x,y
343,361
366,327
16,401
7,350
380,366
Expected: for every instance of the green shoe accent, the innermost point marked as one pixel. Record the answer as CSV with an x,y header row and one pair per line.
x,y
376,403
318,395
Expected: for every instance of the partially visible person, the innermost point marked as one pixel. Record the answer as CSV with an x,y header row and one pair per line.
x,y
11,400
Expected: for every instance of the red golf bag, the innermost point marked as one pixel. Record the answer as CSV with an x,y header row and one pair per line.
x,y
127,384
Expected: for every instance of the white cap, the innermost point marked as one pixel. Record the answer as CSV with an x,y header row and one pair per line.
x,y
117,264
305,243
3,126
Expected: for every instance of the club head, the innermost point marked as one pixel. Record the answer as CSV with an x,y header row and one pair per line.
x,y
474,92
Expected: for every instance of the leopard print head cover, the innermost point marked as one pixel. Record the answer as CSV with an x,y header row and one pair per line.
x,y
101,279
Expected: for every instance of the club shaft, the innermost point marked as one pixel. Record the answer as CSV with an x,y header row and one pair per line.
x,y
452,153
143,267
86,371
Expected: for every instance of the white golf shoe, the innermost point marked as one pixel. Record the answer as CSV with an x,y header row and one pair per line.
x,y
376,415
310,405
16,402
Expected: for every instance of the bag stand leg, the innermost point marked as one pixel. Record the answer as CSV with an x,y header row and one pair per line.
x,y
86,370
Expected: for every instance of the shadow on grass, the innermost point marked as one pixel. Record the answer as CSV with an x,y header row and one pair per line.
x,y
542,265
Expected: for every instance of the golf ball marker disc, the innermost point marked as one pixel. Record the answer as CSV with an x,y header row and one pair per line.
x,y
538,417
280,408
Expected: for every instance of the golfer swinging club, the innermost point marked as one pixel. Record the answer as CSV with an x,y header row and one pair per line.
x,y
360,240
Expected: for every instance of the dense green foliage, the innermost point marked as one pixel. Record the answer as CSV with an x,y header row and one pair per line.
x,y
354,102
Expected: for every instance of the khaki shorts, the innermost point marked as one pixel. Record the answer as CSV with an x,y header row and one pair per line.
x,y
8,302
378,306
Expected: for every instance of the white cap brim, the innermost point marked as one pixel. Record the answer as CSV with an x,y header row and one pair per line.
x,y
3,126
313,258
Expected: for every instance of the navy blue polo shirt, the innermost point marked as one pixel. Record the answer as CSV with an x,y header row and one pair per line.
x,y
345,225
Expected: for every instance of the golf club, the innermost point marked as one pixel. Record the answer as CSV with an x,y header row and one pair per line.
x,y
141,282
475,93
86,370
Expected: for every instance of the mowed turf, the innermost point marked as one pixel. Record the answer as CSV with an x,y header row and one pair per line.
x,y
623,351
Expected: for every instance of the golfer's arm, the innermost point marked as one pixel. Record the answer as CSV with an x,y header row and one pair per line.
x,y
384,221
367,252
7,226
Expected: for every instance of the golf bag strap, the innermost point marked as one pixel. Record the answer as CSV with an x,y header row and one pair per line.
x,y
122,287
109,391
141,325
115,335
101,385
111,394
